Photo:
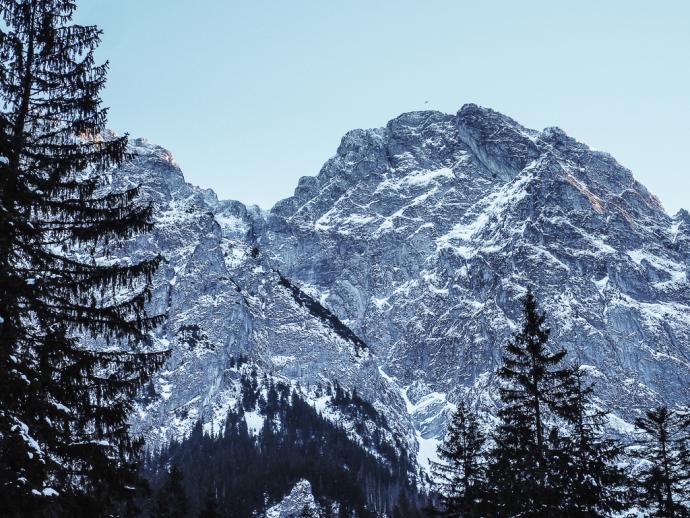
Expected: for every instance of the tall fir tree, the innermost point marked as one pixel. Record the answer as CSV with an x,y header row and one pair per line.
x,y
171,500
684,450
210,507
532,384
64,438
587,462
662,490
461,472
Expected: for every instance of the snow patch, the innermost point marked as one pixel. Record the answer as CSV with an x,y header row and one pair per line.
x,y
486,211
280,361
601,284
428,452
230,223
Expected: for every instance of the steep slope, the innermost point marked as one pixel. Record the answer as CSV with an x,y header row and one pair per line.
x,y
275,438
223,300
398,268
422,235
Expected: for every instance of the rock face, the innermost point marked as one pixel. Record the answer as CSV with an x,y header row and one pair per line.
x,y
300,502
398,269
224,298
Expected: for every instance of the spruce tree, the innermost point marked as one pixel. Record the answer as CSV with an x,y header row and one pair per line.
x,y
461,472
684,452
531,386
662,488
586,465
171,500
210,507
64,437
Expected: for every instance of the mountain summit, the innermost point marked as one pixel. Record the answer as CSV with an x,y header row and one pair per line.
x,y
398,268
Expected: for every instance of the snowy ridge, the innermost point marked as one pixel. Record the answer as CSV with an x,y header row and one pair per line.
x,y
430,275
419,237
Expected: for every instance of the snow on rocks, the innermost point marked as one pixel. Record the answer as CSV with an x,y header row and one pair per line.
x,y
295,503
419,237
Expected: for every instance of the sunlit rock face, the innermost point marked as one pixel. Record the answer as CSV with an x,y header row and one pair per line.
x,y
411,248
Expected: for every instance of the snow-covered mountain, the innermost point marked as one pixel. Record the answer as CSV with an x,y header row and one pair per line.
x,y
398,268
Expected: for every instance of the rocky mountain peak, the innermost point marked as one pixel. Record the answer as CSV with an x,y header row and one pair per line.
x,y
297,503
502,145
476,151
397,269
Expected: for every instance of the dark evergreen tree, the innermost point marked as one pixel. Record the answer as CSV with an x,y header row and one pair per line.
x,y
405,509
684,452
662,488
210,508
171,499
461,471
308,512
271,400
586,462
532,386
64,438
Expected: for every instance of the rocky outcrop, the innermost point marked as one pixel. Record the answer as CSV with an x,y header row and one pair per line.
x,y
299,503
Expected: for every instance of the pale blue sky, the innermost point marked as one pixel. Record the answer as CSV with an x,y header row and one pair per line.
x,y
249,96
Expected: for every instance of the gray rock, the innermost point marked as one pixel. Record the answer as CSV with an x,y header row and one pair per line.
x,y
295,503
420,237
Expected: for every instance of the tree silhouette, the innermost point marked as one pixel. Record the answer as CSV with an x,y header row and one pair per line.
x,y
461,471
532,384
661,481
64,437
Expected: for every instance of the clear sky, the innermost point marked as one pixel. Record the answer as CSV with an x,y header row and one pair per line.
x,y
251,95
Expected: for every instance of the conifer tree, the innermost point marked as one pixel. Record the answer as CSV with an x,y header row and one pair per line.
x,y
662,489
684,452
210,508
171,500
64,438
532,384
461,471
587,461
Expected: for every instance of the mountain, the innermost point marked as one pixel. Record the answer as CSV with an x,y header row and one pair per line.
x,y
274,439
398,270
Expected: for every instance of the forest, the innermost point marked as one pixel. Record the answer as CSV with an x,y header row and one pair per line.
x,y
552,451
548,452
242,473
